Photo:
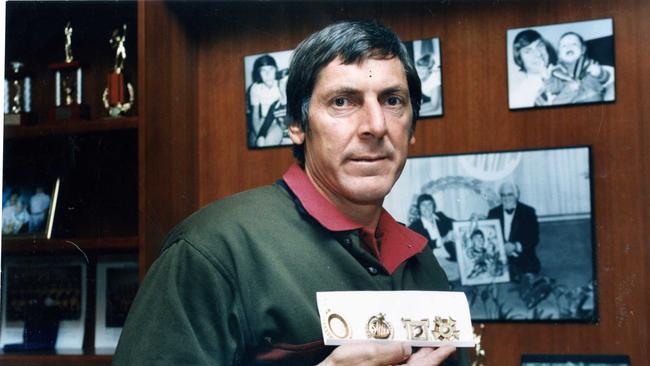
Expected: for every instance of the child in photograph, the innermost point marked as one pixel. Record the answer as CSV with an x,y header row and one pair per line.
x,y
576,78
275,127
262,94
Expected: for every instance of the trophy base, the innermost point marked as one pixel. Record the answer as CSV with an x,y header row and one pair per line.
x,y
70,112
19,119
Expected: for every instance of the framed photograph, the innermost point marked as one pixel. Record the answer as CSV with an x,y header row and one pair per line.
x,y
117,284
43,296
560,64
266,76
512,229
480,252
28,209
425,54
575,360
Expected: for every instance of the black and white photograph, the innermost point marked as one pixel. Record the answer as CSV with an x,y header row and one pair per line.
x,y
575,360
480,252
266,78
117,284
560,64
538,201
426,57
28,209
40,292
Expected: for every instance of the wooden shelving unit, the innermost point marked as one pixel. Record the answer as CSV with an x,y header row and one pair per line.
x,y
71,128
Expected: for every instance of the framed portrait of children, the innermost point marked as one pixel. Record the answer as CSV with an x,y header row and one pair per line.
x,y
28,208
575,360
425,54
480,252
265,77
561,64
512,229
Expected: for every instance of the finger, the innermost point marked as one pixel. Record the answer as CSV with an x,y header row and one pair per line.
x,y
370,354
431,356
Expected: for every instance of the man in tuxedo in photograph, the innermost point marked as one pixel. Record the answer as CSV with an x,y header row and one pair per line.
x,y
520,230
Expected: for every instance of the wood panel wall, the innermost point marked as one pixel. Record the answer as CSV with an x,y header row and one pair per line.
x,y
476,118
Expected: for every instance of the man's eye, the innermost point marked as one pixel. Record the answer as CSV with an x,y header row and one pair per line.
x,y
393,101
340,102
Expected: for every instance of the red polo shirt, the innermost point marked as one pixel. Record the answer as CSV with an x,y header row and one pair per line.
x,y
392,243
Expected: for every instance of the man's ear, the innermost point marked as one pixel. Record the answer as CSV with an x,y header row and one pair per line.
x,y
296,133
412,140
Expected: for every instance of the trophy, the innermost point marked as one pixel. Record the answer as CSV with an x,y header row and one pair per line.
x,y
68,83
114,95
481,357
18,96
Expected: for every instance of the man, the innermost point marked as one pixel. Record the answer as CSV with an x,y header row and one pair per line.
x,y
434,225
520,231
236,282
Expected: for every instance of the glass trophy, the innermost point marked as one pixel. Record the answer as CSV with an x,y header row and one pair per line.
x,y
18,96
68,82
118,96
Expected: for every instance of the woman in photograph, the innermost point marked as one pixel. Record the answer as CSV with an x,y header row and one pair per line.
x,y
534,56
264,91
274,130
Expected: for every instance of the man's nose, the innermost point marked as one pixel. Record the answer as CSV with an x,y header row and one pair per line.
x,y
374,119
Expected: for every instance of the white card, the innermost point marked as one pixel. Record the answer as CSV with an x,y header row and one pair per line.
x,y
420,318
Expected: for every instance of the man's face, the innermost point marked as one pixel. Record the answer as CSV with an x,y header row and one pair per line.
x,y
570,48
359,121
427,208
267,73
508,196
535,57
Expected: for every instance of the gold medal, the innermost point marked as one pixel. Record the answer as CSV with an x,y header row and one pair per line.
x,y
444,329
379,328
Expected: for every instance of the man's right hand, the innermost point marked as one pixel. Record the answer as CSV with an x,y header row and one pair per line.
x,y
372,354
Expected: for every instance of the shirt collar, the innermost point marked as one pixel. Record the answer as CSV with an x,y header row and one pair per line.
x,y
398,242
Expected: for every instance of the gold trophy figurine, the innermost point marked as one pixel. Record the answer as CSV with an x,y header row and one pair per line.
x,y
68,43
478,348
114,95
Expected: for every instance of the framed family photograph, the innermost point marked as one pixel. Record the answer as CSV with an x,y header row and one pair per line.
x,y
575,360
425,54
43,303
266,78
117,284
28,209
561,64
513,230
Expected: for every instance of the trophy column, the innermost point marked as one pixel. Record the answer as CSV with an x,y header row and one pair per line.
x,y
18,96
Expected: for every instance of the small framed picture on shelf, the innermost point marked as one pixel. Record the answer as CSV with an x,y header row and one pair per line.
x,y
575,360
43,303
425,54
511,229
561,64
28,209
265,78
117,284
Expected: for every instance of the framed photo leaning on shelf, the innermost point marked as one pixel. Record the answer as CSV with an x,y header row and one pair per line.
x,y
28,209
511,229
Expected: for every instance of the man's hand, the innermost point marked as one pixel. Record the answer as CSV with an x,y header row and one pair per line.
x,y
372,354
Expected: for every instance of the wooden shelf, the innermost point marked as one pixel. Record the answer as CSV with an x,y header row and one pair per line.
x,y
29,245
25,359
71,128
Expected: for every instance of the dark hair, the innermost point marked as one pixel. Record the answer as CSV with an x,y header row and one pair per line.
x,y
264,60
425,197
477,232
353,42
526,37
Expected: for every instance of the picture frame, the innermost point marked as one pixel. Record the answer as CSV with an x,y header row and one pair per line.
x,y
265,78
32,287
117,284
575,360
561,64
28,209
427,57
548,237
481,253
